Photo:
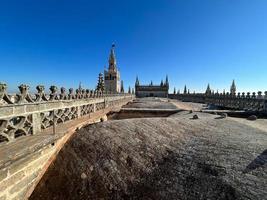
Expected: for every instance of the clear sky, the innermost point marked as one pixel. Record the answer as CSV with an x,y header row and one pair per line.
x,y
195,42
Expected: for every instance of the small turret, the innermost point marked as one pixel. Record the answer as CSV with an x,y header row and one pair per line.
x,y
174,90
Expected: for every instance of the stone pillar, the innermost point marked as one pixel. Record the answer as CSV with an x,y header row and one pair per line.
x,y
78,112
106,102
94,110
36,123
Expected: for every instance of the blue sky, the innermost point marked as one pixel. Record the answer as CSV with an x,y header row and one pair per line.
x,y
195,42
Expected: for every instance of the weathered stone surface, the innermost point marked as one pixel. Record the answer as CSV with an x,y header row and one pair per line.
x,y
21,193
3,197
23,162
5,111
11,180
160,158
3,174
23,183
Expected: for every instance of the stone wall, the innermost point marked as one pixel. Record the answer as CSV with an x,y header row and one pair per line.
x,y
255,102
21,175
29,126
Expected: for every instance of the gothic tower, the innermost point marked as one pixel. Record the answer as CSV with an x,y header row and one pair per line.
x,y
233,88
112,75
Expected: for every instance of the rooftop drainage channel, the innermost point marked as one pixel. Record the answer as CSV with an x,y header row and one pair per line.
x,y
127,113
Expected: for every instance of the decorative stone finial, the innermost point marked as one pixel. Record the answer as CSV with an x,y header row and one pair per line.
x,y
40,93
3,88
63,95
254,95
4,98
71,95
53,95
24,96
259,95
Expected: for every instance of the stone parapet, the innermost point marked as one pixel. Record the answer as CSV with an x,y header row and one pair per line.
x,y
25,114
247,102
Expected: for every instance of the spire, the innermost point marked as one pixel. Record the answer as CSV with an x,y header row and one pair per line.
x,y
80,86
208,90
174,90
112,59
161,83
233,88
185,90
122,87
137,81
100,84
167,81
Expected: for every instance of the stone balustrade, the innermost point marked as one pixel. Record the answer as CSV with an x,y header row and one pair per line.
x,y
240,101
27,114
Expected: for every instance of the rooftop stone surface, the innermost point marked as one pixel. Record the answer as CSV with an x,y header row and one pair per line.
x,y
173,157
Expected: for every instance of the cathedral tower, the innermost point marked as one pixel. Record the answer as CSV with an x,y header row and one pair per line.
x,y
112,75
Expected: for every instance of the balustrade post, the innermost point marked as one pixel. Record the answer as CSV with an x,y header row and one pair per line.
x,y
36,123
94,107
78,112
54,122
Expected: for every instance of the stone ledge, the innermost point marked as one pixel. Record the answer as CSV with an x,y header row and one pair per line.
x,y
24,146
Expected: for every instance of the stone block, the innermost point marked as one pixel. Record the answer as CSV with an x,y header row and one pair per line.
x,y
6,111
11,181
36,118
23,162
41,107
32,108
3,174
41,161
32,169
19,110
25,182
48,150
21,194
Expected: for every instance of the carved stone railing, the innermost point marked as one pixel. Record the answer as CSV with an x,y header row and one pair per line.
x,y
241,101
27,114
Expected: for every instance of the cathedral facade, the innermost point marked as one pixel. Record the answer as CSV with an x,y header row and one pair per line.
x,y
112,75
152,90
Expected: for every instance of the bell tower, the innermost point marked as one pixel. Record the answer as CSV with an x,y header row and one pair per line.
x,y
112,75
